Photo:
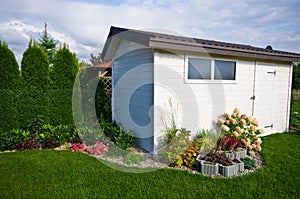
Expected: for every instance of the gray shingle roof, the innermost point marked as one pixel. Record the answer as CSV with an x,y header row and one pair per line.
x,y
172,42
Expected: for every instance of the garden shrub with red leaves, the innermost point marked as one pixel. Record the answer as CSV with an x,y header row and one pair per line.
x,y
77,147
98,149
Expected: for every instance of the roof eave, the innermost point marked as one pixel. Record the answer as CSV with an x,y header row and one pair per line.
x,y
222,51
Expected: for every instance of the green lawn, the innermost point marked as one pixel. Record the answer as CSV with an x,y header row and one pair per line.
x,y
63,174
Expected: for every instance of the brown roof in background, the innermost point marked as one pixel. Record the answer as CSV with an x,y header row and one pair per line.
x,y
172,42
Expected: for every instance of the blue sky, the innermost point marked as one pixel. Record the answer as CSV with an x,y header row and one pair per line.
x,y
84,24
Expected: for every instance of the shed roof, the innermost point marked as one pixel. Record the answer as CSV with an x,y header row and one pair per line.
x,y
172,42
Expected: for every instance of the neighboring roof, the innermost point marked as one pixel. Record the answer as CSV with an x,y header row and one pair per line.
x,y
104,65
172,42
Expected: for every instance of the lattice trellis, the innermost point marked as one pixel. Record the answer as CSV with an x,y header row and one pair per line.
x,y
108,89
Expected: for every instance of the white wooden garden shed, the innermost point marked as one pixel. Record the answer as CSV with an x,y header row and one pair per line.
x,y
156,76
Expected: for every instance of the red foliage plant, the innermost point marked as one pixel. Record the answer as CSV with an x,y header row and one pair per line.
x,y
77,147
228,143
98,149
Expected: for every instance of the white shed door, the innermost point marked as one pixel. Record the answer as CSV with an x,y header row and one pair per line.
x,y
264,96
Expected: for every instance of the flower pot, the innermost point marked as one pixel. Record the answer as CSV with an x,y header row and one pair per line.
x,y
209,168
228,171
230,155
239,164
240,154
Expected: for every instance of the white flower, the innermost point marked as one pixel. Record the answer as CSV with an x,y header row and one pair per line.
x,y
225,128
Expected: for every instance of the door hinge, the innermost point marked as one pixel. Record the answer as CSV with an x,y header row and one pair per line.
x,y
272,72
252,98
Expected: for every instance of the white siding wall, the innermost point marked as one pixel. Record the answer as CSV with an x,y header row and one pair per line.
x,y
198,105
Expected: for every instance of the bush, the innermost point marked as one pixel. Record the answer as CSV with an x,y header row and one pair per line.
x,y
29,144
98,149
248,163
120,137
90,136
132,158
175,147
242,127
10,139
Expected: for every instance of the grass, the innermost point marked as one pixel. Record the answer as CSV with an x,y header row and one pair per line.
x,y
63,174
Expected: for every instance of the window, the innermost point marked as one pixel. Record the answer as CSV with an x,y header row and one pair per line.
x,y
199,68
224,70
210,69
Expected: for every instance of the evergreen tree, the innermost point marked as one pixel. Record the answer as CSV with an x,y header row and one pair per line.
x,y
296,76
9,69
35,68
64,69
48,44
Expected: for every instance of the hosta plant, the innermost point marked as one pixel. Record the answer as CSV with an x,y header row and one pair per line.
x,y
242,127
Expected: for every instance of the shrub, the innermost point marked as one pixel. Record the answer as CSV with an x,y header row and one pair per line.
x,y
133,158
248,163
49,144
77,147
242,127
228,143
29,144
175,147
10,139
35,68
10,74
90,136
98,149
120,137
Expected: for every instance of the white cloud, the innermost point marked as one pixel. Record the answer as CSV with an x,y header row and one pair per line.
x,y
85,24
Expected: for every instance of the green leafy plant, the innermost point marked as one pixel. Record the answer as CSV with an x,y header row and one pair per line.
x,y
10,139
248,163
175,148
132,158
90,135
35,125
120,137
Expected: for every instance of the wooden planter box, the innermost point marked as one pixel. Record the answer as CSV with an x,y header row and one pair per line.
x,y
228,171
209,168
240,154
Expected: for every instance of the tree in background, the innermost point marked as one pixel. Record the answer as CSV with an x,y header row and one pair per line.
x,y
48,44
64,69
296,76
9,79
9,69
35,70
95,60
